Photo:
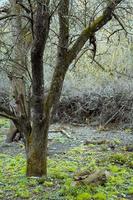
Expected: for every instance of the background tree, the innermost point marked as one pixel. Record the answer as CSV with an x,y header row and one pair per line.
x,y
18,73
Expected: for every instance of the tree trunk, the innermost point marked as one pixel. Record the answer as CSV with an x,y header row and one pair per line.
x,y
36,151
18,93
36,141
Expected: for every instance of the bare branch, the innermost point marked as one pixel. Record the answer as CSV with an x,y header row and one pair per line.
x,y
4,112
119,21
97,24
24,7
12,16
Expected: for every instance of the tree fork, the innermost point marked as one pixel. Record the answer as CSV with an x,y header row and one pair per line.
x,y
36,142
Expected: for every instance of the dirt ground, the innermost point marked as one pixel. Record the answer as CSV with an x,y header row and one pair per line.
x,y
63,137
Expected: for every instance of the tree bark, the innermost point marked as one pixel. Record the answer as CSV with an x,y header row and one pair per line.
x,y
36,150
18,93
36,141
62,61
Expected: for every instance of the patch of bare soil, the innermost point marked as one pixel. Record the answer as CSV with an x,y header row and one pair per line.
x,y
63,137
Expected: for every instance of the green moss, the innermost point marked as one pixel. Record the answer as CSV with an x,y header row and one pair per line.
x,y
4,123
84,196
22,193
94,25
62,170
122,159
48,183
56,173
130,190
38,189
100,196
119,158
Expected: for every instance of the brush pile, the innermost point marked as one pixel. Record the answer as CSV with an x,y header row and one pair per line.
x,y
105,109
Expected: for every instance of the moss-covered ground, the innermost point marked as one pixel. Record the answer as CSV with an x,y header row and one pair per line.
x,y
62,170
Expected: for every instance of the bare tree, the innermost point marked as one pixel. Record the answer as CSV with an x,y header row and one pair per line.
x,y
36,133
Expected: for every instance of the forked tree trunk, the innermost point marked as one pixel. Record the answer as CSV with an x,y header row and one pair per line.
x,y
36,141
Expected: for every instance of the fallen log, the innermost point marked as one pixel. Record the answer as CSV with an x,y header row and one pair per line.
x,y
99,177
